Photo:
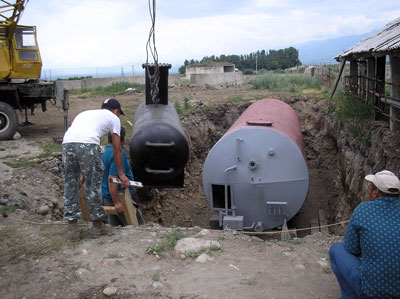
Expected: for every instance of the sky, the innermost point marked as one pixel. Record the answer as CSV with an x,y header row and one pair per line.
x,y
101,33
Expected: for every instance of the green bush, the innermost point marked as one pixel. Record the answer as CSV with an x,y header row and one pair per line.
x,y
77,78
301,70
348,107
248,72
187,107
279,71
178,106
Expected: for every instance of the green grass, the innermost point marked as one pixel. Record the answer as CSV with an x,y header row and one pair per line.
x,y
21,164
184,81
15,248
115,88
7,209
9,157
167,244
348,107
354,112
286,83
210,250
237,99
113,256
26,162
49,148
155,277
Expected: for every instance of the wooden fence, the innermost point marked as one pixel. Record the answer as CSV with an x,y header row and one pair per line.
x,y
372,91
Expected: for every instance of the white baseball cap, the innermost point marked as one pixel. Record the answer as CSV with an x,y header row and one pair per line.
x,y
385,181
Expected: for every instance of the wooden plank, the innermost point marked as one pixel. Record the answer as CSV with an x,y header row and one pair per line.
x,y
84,204
322,222
314,226
129,209
110,210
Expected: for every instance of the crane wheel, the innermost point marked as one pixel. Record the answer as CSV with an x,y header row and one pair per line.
x,y
8,121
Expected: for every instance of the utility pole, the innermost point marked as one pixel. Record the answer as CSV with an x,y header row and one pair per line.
x,y
122,71
133,70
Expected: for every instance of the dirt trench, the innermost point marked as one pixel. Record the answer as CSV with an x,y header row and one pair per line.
x,y
31,189
339,155
338,159
189,207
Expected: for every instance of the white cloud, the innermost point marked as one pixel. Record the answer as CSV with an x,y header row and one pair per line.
x,y
102,33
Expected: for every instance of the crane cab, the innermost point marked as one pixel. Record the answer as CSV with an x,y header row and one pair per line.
x,y
19,55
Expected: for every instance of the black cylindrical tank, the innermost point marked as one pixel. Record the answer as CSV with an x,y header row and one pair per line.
x,y
158,148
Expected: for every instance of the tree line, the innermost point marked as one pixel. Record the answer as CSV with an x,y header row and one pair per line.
x,y
271,60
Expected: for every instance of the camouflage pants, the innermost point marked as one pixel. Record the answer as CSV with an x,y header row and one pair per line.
x,y
85,158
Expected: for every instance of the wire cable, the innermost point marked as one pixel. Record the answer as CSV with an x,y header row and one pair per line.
x,y
151,47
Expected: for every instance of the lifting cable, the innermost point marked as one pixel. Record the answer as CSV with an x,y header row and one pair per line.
x,y
151,47
295,230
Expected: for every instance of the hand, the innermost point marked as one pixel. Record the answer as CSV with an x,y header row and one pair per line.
x,y
118,208
81,179
125,181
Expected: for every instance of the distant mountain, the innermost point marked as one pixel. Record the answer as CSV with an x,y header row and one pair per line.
x,y
127,69
323,51
314,52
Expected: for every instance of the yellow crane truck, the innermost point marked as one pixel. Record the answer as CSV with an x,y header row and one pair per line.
x,y
20,70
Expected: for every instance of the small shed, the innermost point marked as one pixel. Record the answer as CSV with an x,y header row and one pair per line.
x,y
208,68
214,74
367,79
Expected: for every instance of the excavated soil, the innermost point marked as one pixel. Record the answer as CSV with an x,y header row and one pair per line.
x,y
38,261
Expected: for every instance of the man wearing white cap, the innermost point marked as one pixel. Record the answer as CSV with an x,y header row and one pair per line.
x,y
367,264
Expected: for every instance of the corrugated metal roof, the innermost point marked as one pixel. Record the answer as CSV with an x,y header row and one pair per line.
x,y
384,40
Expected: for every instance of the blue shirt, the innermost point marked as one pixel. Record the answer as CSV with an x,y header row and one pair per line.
x,y
373,235
110,168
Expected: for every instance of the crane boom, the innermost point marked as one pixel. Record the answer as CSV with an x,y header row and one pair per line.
x,y
10,14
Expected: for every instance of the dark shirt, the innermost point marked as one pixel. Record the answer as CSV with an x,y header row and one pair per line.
x,y
373,235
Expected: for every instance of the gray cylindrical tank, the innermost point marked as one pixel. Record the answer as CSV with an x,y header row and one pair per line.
x,y
256,175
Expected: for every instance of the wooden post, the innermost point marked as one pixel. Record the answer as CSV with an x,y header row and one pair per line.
x,y
371,83
353,76
363,74
128,208
323,222
85,210
314,226
395,92
380,85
